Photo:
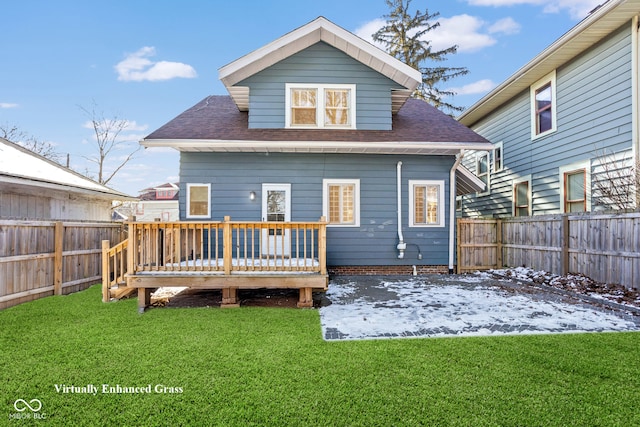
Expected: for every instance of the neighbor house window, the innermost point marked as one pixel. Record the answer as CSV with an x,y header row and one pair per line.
x,y
498,157
482,170
426,203
341,202
575,195
543,106
198,200
575,185
320,106
522,197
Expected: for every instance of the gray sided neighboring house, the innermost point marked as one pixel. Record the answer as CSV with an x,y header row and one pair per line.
x,y
320,123
564,125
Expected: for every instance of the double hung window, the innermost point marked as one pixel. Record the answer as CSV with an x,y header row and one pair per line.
x,y
320,106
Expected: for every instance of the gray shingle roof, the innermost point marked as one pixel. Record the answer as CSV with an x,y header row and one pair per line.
x,y
217,118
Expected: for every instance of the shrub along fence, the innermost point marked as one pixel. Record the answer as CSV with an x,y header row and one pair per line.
x,y
42,258
604,247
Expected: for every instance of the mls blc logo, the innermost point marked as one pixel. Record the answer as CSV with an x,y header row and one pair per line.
x,y
27,410
22,405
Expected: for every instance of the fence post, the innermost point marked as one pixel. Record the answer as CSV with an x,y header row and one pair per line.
x,y
458,241
58,244
565,244
106,279
499,243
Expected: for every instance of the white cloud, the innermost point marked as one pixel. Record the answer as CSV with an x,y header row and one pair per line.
x,y
505,26
577,9
367,30
138,67
479,87
469,33
8,105
465,31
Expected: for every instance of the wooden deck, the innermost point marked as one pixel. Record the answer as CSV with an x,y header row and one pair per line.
x,y
227,255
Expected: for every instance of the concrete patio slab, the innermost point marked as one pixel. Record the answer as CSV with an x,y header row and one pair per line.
x,y
379,307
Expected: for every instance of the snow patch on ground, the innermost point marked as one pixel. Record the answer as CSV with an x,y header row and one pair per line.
x,y
439,306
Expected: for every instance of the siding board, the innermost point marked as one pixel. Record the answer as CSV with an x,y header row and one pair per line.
x,y
233,176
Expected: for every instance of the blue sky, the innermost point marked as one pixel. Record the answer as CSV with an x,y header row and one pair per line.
x,y
147,61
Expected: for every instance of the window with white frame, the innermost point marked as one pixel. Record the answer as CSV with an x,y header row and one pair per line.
x,y
320,106
498,157
575,186
543,106
426,203
482,170
522,197
198,201
341,202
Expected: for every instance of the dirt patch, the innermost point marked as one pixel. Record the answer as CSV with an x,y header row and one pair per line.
x,y
577,283
247,298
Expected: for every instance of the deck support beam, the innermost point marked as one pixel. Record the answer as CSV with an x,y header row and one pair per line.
x,y
230,298
144,299
306,298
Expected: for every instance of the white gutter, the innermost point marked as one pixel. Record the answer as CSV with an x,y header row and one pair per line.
x,y
402,246
452,209
377,147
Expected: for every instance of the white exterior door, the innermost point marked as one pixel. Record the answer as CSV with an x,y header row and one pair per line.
x,y
276,207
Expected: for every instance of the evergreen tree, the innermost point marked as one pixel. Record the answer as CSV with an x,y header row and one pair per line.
x,y
404,38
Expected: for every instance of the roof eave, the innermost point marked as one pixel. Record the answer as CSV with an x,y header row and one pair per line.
x,y
18,180
585,34
359,147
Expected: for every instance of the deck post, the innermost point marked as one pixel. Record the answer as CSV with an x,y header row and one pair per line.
x,y
227,248
144,299
131,251
306,298
322,245
230,298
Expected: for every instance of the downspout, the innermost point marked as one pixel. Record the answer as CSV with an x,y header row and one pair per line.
x,y
635,77
402,246
452,209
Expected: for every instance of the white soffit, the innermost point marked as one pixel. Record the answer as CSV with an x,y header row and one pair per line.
x,y
299,39
595,27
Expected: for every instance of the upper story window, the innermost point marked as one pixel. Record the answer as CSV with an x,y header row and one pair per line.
x,y
498,157
320,106
543,106
482,170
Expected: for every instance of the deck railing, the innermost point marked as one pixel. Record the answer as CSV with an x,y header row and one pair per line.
x,y
227,247
114,267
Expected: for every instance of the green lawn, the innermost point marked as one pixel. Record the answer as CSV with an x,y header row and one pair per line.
x,y
270,366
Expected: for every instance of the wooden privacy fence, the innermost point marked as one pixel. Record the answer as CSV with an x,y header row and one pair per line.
x,y
42,258
604,247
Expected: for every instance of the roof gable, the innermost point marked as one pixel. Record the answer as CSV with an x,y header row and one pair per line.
x,y
599,24
318,30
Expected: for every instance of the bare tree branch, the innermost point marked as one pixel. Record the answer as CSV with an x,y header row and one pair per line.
x,y
31,143
108,141
616,181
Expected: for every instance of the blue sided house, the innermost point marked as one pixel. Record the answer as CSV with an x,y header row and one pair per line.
x,y
319,127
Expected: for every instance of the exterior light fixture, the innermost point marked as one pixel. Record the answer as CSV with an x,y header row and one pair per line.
x,y
252,195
